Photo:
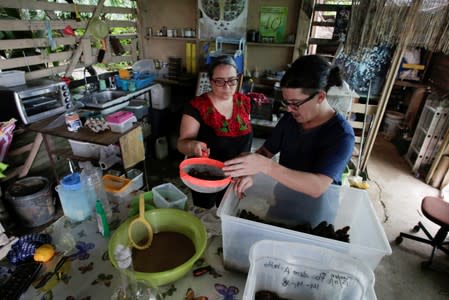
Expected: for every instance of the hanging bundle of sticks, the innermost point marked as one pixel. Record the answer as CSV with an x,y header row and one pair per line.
x,y
383,21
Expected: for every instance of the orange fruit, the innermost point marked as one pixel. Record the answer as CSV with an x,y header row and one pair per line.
x,y
44,253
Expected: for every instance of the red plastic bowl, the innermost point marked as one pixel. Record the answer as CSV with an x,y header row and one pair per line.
x,y
203,164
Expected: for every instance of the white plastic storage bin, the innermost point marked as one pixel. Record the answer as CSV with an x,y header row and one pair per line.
x,y
168,195
85,149
299,271
368,241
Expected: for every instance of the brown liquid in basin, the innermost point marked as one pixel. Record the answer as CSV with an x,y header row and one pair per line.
x,y
168,250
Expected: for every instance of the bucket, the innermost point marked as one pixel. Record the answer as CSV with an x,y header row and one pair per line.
x,y
32,200
391,124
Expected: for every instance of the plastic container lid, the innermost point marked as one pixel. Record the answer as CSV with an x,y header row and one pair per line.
x,y
203,164
119,117
71,182
144,66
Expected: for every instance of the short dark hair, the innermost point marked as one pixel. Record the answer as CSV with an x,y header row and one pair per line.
x,y
312,73
221,60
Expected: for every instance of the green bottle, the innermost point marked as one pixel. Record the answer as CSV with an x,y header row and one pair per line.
x,y
102,220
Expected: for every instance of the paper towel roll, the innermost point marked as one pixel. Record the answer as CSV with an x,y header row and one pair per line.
x,y
108,162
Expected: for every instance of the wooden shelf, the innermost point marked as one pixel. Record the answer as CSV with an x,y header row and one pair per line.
x,y
67,153
270,45
192,39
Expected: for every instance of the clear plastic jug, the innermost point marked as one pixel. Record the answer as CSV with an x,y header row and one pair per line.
x,y
77,199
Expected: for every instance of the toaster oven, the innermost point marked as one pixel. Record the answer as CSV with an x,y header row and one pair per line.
x,y
34,101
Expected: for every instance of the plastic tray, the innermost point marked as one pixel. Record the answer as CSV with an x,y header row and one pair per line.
x,y
299,271
368,241
141,82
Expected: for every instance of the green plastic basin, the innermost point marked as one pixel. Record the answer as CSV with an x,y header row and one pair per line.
x,y
165,219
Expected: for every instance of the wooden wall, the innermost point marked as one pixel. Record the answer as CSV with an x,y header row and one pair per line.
x,y
49,62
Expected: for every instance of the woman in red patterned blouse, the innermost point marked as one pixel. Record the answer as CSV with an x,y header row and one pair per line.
x,y
217,122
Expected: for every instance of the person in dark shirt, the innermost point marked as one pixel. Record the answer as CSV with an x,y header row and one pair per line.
x,y
217,124
314,141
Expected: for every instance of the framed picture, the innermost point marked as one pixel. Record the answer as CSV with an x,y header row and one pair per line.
x,y
273,20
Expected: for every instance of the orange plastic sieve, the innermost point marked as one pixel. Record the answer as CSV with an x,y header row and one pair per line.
x,y
203,164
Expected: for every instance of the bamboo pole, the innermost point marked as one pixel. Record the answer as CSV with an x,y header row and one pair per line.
x,y
391,76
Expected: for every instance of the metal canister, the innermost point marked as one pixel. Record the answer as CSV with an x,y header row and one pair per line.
x,y
73,122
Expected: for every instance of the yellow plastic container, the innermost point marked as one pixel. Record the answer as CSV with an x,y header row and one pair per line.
x,y
117,185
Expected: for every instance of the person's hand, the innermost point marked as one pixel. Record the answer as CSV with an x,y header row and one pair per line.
x,y
241,184
245,165
200,149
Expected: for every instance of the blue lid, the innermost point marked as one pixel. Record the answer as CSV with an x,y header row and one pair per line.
x,y
71,182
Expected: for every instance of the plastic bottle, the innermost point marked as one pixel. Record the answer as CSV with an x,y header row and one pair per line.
x,y
102,221
93,179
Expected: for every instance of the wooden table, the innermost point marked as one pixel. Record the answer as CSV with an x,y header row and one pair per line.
x,y
130,142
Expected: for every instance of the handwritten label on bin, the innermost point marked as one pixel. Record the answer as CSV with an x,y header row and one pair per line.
x,y
304,277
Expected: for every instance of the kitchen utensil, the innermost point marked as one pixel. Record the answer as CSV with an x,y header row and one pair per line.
x,y
203,165
140,232
165,219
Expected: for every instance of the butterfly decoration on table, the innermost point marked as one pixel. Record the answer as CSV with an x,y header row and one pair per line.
x,y
190,295
105,256
199,262
169,292
206,270
103,278
86,268
82,234
83,248
228,293
65,278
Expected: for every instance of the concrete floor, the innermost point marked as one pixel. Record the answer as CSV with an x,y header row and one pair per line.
x,y
397,195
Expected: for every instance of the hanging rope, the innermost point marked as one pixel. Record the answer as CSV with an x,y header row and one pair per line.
x,y
382,22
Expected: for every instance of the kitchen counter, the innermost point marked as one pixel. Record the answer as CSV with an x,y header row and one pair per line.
x,y
90,274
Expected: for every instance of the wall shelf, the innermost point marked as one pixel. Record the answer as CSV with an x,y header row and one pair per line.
x,y
270,45
193,39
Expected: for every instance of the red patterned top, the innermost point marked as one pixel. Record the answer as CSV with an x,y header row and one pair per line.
x,y
239,123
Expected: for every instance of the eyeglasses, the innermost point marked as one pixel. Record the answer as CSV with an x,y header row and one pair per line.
x,y
297,103
220,82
